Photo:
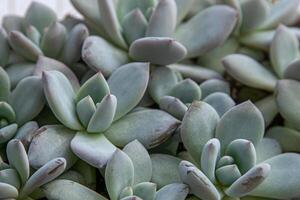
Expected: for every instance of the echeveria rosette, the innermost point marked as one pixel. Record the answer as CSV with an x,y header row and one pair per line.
x,y
129,174
228,156
16,109
38,33
99,112
256,27
131,29
282,80
16,179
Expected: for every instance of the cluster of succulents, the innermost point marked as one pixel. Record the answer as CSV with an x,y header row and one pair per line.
x,y
151,100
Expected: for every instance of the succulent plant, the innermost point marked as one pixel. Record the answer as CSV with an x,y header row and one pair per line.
x,y
281,79
128,173
230,158
92,109
136,28
152,100
15,179
255,29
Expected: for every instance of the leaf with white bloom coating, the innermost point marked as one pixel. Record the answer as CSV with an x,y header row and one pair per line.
x,y
162,22
141,161
157,50
284,49
243,121
67,189
99,54
61,98
249,72
134,76
45,174
198,126
217,21
94,149
118,174
249,181
199,184
18,159
174,191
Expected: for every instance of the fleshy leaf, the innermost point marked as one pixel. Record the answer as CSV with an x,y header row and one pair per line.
x,y
118,174
101,55
162,80
18,159
217,21
104,114
109,20
61,98
47,64
94,149
53,40
11,177
284,49
288,138
8,191
198,126
40,16
4,85
96,87
165,169
85,109
174,191
136,126
145,190
4,47
221,102
228,174
173,106
258,39
214,85
141,161
252,179
134,76
51,142
26,132
27,108
67,189
199,184
243,121
17,72
268,108
134,25
196,73
266,149
243,153
157,50
43,175
282,12
8,132
162,22
183,9
213,58
24,46
126,6
72,49
287,100
249,72
292,71
254,13
283,167
209,157
187,91
33,34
